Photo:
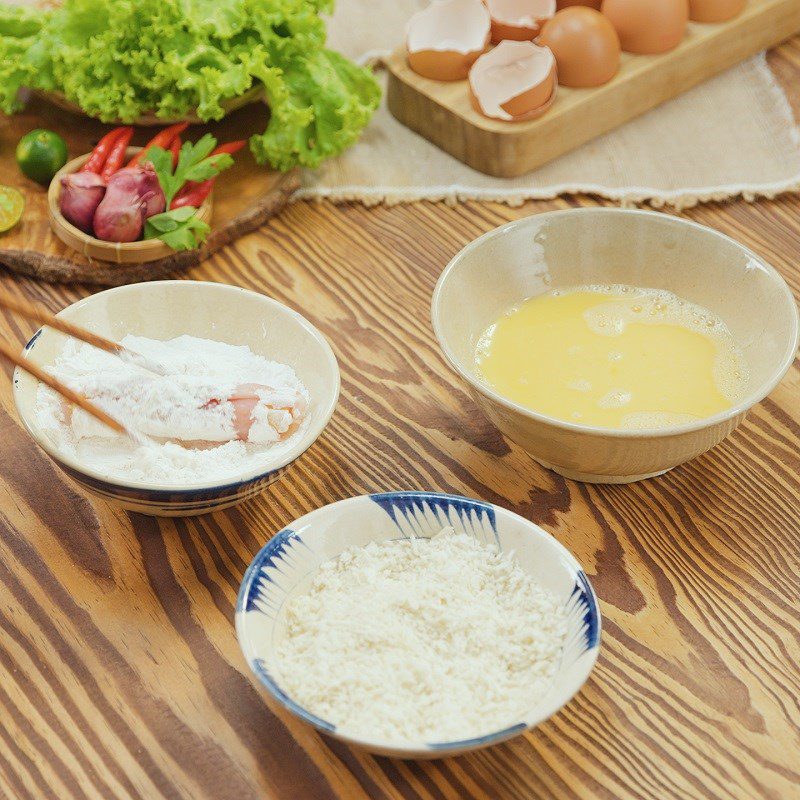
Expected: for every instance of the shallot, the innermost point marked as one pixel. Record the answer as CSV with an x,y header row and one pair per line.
x,y
120,216
81,194
133,195
150,188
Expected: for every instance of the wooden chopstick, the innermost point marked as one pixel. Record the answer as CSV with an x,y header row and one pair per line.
x,y
43,316
74,397
32,311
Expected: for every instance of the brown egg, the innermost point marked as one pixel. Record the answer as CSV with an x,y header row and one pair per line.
x,y
445,39
585,44
595,4
514,82
648,26
715,10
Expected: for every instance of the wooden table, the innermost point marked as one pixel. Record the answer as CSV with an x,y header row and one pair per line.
x,y
120,675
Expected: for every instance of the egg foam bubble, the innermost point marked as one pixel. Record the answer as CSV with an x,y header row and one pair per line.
x,y
613,356
632,304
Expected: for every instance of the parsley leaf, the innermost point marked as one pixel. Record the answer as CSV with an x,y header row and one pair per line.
x,y
180,228
195,163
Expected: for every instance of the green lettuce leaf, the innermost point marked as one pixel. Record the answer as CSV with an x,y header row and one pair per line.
x,y
318,104
119,59
19,27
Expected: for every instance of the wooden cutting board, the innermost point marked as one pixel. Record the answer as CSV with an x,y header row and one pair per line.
x,y
245,197
441,112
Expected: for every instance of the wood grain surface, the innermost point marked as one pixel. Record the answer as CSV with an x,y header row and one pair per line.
x,y
120,676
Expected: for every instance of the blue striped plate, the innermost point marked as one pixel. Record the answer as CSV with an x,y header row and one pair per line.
x,y
286,565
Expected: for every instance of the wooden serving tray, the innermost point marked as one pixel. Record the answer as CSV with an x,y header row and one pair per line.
x,y
245,197
441,112
254,95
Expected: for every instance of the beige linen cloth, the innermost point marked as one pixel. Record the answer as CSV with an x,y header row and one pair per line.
x,y
734,135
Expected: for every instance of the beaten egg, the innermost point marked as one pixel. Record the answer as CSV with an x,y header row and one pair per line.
x,y
613,357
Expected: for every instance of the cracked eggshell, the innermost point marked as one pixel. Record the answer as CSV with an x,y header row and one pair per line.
x,y
647,27
519,20
585,45
534,113
514,82
715,10
445,39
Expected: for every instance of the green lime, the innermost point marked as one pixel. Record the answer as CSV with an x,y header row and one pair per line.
x,y
40,154
11,204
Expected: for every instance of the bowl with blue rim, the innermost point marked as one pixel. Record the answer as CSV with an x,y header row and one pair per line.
x,y
167,309
285,567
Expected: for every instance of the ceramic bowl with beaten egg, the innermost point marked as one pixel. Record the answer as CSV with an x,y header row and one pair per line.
x,y
614,345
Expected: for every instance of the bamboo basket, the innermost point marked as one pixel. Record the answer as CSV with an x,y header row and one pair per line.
x,y
115,252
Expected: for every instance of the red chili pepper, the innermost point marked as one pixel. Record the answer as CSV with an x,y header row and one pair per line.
x,y
117,153
100,153
230,148
193,194
162,139
175,148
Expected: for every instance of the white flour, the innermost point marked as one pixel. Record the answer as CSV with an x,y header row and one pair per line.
x,y
201,433
421,640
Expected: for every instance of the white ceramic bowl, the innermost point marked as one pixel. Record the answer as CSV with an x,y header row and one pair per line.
x,y
286,565
614,246
163,310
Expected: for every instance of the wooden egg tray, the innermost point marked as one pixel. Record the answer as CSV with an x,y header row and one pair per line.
x,y
441,112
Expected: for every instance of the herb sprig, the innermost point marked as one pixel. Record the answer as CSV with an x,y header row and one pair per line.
x,y
180,228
